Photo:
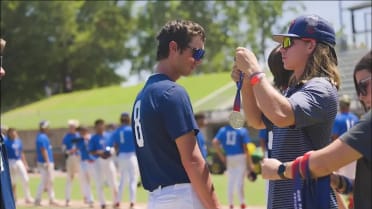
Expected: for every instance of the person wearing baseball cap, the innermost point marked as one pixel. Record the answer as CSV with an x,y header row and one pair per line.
x,y
69,147
302,117
45,164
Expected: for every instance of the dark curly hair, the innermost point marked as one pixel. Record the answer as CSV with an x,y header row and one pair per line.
x,y
180,31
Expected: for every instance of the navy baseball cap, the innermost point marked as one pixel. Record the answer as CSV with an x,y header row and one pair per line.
x,y
124,114
310,26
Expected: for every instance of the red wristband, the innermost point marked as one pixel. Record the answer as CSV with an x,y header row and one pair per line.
x,y
304,163
256,77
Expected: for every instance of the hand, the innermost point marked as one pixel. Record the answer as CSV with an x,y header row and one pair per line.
x,y
269,168
235,73
73,151
252,176
246,61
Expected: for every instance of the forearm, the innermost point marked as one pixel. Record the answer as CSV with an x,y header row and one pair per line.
x,y
44,153
200,179
252,112
23,157
273,105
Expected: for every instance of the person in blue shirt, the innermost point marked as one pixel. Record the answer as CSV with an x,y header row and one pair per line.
x,y
72,160
17,163
86,163
123,141
45,164
236,158
6,193
101,148
343,122
171,165
200,120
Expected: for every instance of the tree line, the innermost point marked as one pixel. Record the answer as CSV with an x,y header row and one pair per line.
x,y
51,44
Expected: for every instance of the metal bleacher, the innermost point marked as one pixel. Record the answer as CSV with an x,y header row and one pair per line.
x,y
346,63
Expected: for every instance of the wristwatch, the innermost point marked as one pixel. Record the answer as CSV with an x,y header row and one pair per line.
x,y
281,170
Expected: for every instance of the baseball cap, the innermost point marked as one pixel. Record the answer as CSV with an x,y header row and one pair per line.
x,y
124,114
44,124
73,122
310,26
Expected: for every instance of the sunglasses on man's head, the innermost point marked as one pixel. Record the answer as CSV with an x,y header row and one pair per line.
x,y
288,41
197,54
363,85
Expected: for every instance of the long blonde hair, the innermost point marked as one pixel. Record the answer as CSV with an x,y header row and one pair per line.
x,y
322,63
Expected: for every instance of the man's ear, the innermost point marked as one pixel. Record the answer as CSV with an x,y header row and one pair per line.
x,y
173,47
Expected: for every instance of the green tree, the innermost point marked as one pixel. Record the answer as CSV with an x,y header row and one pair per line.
x,y
50,40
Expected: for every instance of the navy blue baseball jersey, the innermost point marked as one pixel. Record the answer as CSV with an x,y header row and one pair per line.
x,y
123,137
162,112
6,192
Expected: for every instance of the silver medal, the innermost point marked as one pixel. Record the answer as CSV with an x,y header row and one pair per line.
x,y
236,120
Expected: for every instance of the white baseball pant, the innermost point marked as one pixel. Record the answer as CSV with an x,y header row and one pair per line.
x,y
128,169
236,170
18,169
174,197
47,178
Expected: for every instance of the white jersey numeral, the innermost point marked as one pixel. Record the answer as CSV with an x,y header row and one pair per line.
x,y
231,138
137,124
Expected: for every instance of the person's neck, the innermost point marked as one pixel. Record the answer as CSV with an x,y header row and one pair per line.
x,y
165,67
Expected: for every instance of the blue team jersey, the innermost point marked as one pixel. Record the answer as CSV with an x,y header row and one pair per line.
x,y
343,122
42,141
202,145
123,138
14,148
162,112
83,146
232,140
6,193
68,140
99,142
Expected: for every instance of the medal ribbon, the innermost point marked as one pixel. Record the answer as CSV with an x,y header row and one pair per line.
x,y
237,96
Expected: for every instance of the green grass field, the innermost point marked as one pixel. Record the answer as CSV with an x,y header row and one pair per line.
x,y
109,102
255,192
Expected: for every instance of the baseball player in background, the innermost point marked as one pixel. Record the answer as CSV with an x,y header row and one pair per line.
x,y
72,156
234,143
127,161
100,146
45,164
17,163
86,164
171,165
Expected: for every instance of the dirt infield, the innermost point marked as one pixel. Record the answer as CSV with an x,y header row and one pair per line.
x,y
81,205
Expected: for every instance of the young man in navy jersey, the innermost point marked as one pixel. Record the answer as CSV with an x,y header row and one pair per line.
x,y
171,165
123,141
